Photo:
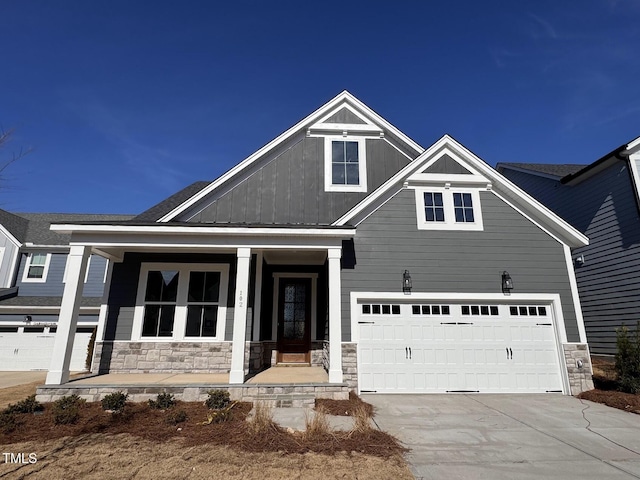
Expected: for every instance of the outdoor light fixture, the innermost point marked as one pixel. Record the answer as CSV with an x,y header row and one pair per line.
x,y
27,318
406,282
507,282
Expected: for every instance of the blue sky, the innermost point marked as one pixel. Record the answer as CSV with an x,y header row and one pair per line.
x,y
127,102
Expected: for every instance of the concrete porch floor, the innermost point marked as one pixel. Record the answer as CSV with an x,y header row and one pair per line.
x,y
273,375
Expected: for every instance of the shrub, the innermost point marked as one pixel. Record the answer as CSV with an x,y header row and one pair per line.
x,y
163,401
217,399
28,405
67,409
177,416
628,359
8,421
115,401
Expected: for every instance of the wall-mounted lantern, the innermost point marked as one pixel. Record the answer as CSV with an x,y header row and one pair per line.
x,y
406,282
507,282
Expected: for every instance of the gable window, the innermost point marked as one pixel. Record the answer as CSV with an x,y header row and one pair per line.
x,y
463,207
36,267
448,209
345,164
178,301
433,207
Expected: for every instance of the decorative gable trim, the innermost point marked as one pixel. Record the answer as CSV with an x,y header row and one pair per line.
x,y
534,209
344,99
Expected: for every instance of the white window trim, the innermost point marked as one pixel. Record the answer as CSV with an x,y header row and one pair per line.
x,y
27,264
362,164
449,214
180,316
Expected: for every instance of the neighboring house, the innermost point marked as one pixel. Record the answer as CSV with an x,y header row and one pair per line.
x,y
341,243
32,276
600,200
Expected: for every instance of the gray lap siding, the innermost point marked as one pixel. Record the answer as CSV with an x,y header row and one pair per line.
x,y
388,242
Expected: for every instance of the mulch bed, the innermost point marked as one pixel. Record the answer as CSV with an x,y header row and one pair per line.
x,y
140,420
344,407
614,398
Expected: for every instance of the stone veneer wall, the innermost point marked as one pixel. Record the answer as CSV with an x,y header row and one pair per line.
x,y
350,365
580,378
162,357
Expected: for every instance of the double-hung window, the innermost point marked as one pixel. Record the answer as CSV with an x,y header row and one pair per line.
x,y
180,301
36,267
448,209
345,164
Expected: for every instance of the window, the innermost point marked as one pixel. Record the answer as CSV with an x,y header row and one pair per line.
x,y
430,309
448,209
178,301
433,207
463,207
491,310
385,309
531,311
345,169
36,267
202,304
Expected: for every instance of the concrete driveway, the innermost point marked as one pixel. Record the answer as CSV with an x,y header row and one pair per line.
x,y
511,436
11,379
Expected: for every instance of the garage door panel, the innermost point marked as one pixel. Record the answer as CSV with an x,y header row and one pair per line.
x,y
423,352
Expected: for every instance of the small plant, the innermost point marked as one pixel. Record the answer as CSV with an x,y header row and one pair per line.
x,y
262,419
115,402
67,409
177,416
220,415
628,359
316,424
28,405
217,399
90,347
163,401
361,419
8,421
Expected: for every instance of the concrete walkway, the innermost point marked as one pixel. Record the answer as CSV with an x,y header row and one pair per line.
x,y
511,436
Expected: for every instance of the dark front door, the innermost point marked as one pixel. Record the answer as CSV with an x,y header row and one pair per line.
x,y
294,320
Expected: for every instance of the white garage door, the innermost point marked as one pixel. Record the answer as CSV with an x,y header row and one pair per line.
x,y
30,348
440,347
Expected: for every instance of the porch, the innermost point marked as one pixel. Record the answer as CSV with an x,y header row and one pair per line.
x,y
276,386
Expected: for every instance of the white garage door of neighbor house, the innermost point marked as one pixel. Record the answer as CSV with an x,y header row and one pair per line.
x,y
32,348
443,347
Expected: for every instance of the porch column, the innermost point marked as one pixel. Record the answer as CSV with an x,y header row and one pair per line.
x,y
68,319
335,320
257,301
236,375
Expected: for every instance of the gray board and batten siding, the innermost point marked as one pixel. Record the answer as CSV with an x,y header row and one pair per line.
x,y
346,116
388,242
287,187
604,208
446,164
54,286
124,289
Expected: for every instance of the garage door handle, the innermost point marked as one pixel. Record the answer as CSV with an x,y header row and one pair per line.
x,y
509,354
406,353
409,353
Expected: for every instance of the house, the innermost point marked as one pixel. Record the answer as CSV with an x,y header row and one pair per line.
x,y
342,244
600,200
32,276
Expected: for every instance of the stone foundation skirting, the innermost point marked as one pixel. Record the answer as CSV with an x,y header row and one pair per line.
x,y
295,395
162,357
578,362
350,365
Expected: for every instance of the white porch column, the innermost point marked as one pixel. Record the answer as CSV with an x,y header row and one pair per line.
x,y
68,319
236,375
335,320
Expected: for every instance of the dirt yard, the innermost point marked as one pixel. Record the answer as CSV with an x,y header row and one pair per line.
x,y
143,444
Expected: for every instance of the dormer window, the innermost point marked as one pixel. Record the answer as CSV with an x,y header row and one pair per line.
x,y
37,267
345,164
440,208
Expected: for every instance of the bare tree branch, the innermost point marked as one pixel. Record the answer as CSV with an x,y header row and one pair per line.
x,y
5,137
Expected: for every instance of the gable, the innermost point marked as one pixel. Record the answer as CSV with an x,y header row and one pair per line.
x,y
361,121
482,177
446,164
344,115
287,187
